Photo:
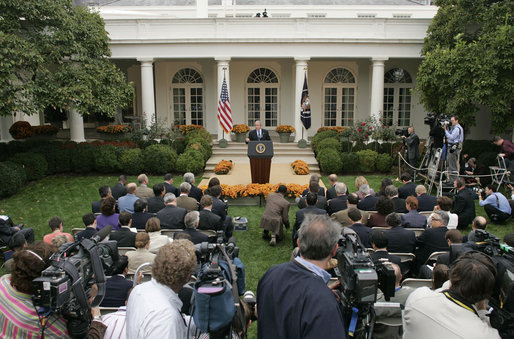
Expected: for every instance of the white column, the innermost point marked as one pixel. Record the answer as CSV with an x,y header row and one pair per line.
x,y
76,126
202,10
301,69
5,124
147,91
377,87
223,71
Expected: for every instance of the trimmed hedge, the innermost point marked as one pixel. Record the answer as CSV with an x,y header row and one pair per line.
x,y
106,159
131,162
201,133
384,163
367,160
191,160
476,147
159,159
329,160
200,144
350,162
34,164
329,143
318,137
82,157
486,159
12,179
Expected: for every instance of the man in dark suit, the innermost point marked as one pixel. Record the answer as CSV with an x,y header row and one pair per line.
x,y
314,188
191,221
369,202
168,185
155,204
89,221
119,189
412,143
194,192
104,191
140,216
399,239
117,286
209,220
220,208
331,192
363,231
408,188
425,202
379,243
258,133
464,205
399,204
125,237
340,202
433,239
311,208
171,216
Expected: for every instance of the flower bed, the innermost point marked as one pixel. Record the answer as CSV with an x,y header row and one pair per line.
x,y
185,129
284,129
256,190
114,129
338,129
300,167
241,128
223,167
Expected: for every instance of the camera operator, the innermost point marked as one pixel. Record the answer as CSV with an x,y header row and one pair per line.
x,y
495,204
459,312
507,154
412,142
454,138
437,134
293,299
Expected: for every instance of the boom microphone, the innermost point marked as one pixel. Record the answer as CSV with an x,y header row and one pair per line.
x,y
102,234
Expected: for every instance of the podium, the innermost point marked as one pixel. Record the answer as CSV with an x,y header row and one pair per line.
x,y
260,154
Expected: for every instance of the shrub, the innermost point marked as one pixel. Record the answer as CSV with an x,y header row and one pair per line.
x,y
190,161
179,144
476,147
329,160
316,139
367,160
12,179
159,159
82,157
202,133
58,159
374,146
384,162
21,130
106,159
346,146
350,162
487,159
201,145
34,164
359,146
386,147
329,143
131,162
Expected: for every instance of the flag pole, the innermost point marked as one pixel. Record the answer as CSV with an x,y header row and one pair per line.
x,y
223,129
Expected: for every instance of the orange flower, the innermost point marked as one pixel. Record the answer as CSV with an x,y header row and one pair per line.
x,y
284,129
223,167
114,129
300,167
241,128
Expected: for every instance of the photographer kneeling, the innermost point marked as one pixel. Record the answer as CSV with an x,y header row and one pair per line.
x,y
495,205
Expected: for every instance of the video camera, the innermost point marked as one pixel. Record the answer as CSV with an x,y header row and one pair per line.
x,y
402,132
502,299
360,280
66,286
432,118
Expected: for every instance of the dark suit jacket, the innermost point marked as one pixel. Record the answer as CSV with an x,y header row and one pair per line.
x,y
118,190
196,237
86,234
399,205
426,202
139,219
321,203
464,207
364,233
300,217
171,189
116,291
253,135
210,221
172,217
407,190
320,192
377,220
331,193
95,206
414,220
219,207
430,241
155,204
125,237
368,203
195,193
412,142
6,231
337,204
400,240
377,255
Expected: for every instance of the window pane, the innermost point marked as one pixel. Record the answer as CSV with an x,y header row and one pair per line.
x,y
330,114
347,108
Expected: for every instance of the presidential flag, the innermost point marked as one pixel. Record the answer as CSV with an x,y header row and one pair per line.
x,y
305,105
224,111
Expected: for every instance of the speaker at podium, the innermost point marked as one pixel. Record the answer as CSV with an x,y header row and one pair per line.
x,y
260,154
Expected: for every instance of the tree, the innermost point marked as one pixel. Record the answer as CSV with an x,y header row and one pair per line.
x,y
55,54
468,53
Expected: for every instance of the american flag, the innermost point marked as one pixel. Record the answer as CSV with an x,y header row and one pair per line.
x,y
224,111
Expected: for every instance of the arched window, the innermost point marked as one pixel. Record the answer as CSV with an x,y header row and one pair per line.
x,y
397,97
187,97
262,100
339,89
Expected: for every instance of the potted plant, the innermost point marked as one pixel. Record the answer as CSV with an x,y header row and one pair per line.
x,y
284,132
21,130
240,132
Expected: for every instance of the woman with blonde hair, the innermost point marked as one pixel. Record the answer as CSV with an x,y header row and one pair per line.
x,y
157,240
359,181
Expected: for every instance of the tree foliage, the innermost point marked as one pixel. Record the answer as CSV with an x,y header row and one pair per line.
x,y
55,54
468,52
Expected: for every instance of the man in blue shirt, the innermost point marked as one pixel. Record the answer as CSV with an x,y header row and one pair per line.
x,y
126,202
495,205
454,138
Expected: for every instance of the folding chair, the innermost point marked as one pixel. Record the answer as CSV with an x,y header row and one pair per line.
x,y
380,228
170,232
406,261
76,230
417,231
416,283
209,233
434,256
146,277
107,310
370,250
123,250
498,173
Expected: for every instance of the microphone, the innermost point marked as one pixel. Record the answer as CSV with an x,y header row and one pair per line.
x,y
102,234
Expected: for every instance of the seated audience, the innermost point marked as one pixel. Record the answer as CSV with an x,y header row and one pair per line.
x,y
432,314
156,203
379,244
408,189
313,188
212,182
104,191
311,199
141,255
192,221
452,237
157,240
439,276
194,192
384,207
399,204
331,192
479,223
56,226
399,239
153,309
413,219
8,230
314,178
444,203
59,240
19,318
108,216
89,221
359,181
119,189
168,185
124,236
363,231
275,215
342,216
369,201
116,321
140,216
171,216
17,244
208,219
117,286
464,204
220,208
184,201
433,239
340,202
126,202
385,182
425,202
143,191
495,205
